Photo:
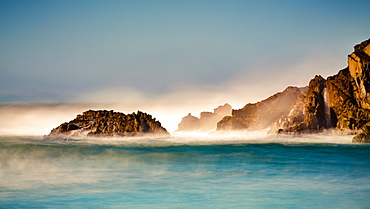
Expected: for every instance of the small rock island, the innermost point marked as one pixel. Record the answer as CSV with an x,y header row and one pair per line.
x,y
107,123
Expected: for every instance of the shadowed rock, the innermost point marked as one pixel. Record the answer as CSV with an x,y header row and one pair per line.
x,y
363,137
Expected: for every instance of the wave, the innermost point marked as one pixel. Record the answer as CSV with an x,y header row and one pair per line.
x,y
242,168
213,138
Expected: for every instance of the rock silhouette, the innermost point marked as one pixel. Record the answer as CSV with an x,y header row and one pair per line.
x,y
104,123
207,121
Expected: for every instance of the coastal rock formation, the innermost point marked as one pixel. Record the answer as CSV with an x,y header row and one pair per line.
x,y
262,114
189,123
358,65
207,121
363,137
104,123
349,92
314,113
341,101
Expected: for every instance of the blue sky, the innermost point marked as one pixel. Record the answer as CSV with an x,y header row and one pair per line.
x,y
223,51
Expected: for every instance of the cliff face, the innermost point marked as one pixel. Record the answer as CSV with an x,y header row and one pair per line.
x,y
262,114
349,91
341,101
345,102
314,113
358,65
207,121
103,123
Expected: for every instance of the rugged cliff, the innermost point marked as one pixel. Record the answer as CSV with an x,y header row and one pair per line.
x,y
104,123
207,121
262,114
313,114
349,93
341,101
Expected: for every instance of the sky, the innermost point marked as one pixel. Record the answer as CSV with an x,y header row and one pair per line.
x,y
183,53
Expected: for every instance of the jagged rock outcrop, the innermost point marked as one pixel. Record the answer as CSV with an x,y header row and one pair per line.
x,y
104,123
189,123
262,114
314,113
207,121
349,92
347,107
341,101
358,65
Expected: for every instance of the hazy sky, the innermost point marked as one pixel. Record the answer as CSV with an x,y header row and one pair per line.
x,y
102,51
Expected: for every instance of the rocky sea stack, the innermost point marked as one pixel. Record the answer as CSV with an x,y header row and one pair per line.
x,y
207,121
340,102
104,123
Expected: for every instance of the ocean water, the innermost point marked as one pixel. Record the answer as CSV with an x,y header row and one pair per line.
x,y
192,171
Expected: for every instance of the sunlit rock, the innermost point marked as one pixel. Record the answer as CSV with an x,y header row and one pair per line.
x,y
263,114
358,65
104,123
341,101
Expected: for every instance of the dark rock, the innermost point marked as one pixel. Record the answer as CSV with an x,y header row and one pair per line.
x,y
104,123
314,115
363,137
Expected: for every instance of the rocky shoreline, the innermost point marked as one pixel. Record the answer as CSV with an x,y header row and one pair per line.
x,y
341,101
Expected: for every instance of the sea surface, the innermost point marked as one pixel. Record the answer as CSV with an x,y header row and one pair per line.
x,y
185,171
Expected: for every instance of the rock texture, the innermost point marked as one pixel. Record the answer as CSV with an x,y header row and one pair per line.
x,y
262,114
104,123
363,137
341,101
314,113
207,121
349,92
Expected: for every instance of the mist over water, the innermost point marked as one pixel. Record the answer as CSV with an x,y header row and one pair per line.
x,y
250,169
189,169
247,86
59,59
184,171
41,119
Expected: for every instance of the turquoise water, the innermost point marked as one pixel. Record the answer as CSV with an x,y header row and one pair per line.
x,y
36,173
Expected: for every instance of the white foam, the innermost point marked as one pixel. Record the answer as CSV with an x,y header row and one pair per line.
x,y
217,138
